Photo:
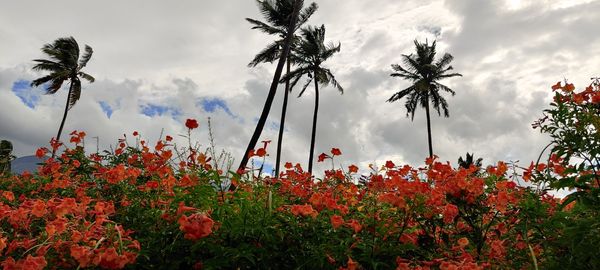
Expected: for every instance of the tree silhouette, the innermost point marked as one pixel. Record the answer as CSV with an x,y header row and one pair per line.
x,y
64,65
291,22
309,55
424,73
277,14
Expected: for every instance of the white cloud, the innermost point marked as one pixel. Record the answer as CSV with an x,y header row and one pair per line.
x,y
176,54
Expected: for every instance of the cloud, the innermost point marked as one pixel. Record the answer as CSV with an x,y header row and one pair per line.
x,y
28,96
160,63
106,108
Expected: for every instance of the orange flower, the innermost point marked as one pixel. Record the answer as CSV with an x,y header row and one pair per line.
x,y
261,152
389,164
3,244
337,221
8,195
83,255
41,152
191,123
450,212
355,225
322,157
304,210
39,208
352,265
463,242
196,226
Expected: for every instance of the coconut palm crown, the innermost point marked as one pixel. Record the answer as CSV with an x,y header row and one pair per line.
x,y
277,14
64,64
309,55
424,72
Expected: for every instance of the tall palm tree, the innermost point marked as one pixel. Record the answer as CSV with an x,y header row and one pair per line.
x,y
424,73
277,14
291,22
309,55
64,65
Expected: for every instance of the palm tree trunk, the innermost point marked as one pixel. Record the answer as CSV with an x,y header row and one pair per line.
x,y
282,121
428,128
62,123
267,107
314,129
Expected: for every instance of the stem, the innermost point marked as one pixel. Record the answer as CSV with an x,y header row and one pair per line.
x,y
314,127
267,107
62,123
428,127
282,121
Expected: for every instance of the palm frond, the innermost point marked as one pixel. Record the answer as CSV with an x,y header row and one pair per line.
x,y
86,76
86,56
75,92
333,81
445,88
444,60
47,65
402,93
39,81
305,14
268,55
310,79
449,75
263,27
403,73
411,104
55,85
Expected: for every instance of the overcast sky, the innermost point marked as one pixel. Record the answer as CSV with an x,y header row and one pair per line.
x,y
158,63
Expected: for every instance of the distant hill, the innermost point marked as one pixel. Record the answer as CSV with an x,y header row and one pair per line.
x,y
26,163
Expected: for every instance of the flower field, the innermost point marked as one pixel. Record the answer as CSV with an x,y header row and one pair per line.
x,y
151,206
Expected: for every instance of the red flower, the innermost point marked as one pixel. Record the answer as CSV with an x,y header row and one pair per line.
x,y
355,225
168,138
196,226
450,212
337,221
463,242
39,208
261,152
304,210
389,164
352,168
135,133
191,123
336,151
322,157
40,153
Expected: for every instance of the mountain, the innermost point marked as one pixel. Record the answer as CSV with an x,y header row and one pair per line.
x,y
26,163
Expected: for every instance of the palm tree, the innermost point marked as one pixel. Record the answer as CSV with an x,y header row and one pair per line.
x,y
277,14
424,73
291,23
64,65
309,55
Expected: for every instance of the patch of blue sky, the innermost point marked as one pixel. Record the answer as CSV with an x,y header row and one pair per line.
x,y
210,105
28,95
267,167
106,108
152,110
272,125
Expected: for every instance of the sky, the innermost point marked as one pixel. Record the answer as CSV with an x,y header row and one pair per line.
x,y
158,63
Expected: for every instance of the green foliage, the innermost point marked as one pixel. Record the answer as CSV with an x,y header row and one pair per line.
x,y
6,156
573,124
